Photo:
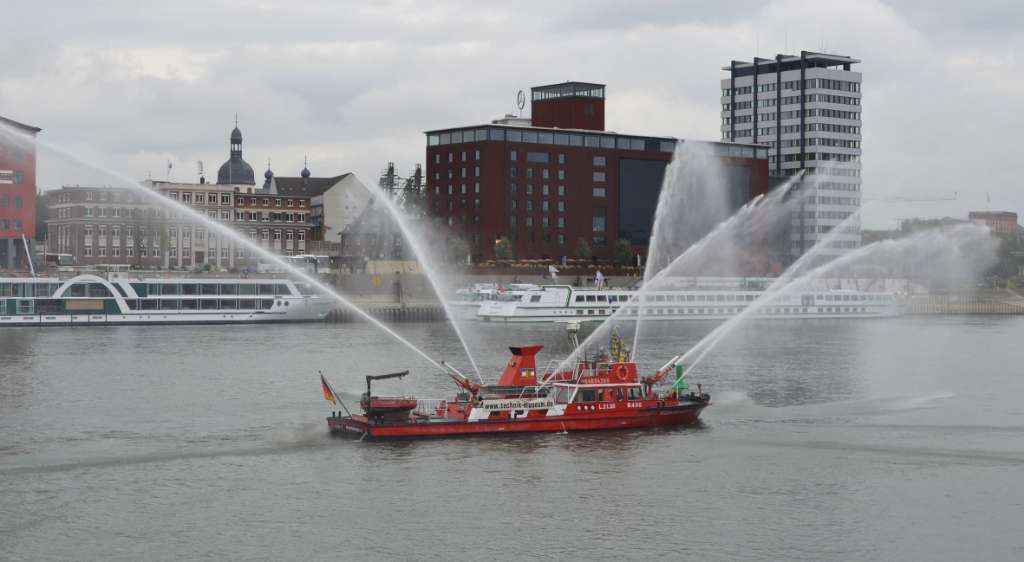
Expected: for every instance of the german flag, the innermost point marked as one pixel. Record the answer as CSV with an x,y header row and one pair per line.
x,y
328,393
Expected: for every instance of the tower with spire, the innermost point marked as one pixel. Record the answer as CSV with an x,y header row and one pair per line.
x,y
236,170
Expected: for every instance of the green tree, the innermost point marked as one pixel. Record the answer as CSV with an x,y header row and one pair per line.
x,y
624,251
583,248
503,249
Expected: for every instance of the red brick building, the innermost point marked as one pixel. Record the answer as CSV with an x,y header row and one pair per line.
x,y
17,191
548,182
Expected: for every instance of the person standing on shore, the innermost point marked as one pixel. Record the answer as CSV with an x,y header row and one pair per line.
x,y
553,273
599,280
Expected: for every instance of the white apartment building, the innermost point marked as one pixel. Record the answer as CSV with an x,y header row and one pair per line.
x,y
807,110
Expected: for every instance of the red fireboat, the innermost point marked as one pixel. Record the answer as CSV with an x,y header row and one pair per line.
x,y
597,394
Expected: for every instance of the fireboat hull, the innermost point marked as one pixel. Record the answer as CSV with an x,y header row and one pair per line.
x,y
676,415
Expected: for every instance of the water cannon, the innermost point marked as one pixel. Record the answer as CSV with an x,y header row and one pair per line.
x,y
671,363
661,373
461,380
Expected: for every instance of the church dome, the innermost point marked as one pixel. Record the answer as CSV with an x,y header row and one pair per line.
x,y
236,170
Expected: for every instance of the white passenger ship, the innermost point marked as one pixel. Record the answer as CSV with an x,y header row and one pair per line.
x,y
562,303
90,300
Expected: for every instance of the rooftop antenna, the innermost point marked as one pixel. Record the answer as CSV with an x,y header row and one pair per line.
x,y
236,119
169,166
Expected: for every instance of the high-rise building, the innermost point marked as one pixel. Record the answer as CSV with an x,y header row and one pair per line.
x,y
17,192
807,110
557,184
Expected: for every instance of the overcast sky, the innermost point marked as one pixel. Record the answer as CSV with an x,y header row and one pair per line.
x,y
131,86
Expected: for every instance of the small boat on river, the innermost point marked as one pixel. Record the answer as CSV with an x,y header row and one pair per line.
x,y
605,392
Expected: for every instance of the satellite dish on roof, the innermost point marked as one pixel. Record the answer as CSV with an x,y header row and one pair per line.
x,y
521,101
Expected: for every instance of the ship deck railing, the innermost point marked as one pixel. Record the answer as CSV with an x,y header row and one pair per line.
x,y
428,407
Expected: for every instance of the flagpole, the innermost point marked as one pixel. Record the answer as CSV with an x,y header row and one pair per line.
x,y
334,393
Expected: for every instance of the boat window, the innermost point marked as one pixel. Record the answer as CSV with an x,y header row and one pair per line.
x,y
535,298
601,298
561,395
266,304
189,304
45,289
25,306
635,393
208,304
133,304
591,298
153,289
228,304
619,395
152,304
209,288
586,395
97,290
49,306
228,289
579,298
282,289
659,298
266,289
169,304
189,289
6,290
246,289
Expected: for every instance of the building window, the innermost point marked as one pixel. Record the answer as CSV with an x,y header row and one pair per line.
x,y
599,176
561,158
302,235
477,155
476,187
463,155
561,174
513,155
561,191
561,206
599,192
88,251
476,171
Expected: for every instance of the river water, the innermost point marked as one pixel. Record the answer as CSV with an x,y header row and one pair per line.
x,y
895,439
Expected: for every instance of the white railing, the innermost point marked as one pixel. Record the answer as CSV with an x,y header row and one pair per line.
x,y
430,406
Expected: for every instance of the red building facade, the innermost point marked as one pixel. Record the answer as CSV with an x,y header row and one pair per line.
x,y
546,187
17,191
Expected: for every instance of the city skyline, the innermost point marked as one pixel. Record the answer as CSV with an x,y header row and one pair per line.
x,y
132,91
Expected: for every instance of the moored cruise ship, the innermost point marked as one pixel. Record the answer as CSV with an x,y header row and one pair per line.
x,y
562,303
93,300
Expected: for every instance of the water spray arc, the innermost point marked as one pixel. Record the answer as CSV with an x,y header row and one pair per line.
x,y
770,207
969,246
425,262
226,231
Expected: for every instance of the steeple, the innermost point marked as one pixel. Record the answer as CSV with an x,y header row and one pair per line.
x,y
236,170
268,175
305,170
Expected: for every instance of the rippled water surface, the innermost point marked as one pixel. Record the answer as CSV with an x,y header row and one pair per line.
x,y
843,440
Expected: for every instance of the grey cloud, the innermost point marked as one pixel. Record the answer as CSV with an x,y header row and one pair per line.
x,y
355,84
